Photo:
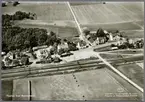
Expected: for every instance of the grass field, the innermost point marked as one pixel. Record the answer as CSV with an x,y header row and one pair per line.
x,y
134,34
134,72
7,90
115,56
61,31
129,52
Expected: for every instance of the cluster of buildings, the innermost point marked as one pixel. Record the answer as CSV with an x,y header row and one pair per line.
x,y
46,52
14,59
100,39
102,36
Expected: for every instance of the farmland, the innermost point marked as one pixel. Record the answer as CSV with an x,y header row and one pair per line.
x,y
7,87
108,13
44,11
52,16
61,31
78,87
128,17
134,72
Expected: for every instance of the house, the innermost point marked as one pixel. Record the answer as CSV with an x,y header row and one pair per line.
x,y
117,38
62,46
114,48
7,61
81,44
88,36
93,32
130,41
96,42
105,32
110,37
102,40
11,55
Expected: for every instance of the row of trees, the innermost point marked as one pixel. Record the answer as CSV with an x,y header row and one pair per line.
x,y
19,15
15,3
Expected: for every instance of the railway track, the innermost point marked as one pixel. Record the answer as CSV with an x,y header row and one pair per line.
x,y
77,66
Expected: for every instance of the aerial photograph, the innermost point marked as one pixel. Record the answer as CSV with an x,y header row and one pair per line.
x,y
61,50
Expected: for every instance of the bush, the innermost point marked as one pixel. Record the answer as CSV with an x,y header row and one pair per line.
x,y
56,59
113,45
4,5
16,3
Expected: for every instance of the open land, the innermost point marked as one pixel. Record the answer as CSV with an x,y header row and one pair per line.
x,y
78,87
51,16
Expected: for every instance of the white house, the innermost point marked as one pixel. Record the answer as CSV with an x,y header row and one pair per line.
x,y
110,37
131,41
117,38
62,46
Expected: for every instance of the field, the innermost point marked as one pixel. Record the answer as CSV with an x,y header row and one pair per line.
x,y
78,87
133,72
61,31
128,17
113,26
44,11
52,16
109,13
7,87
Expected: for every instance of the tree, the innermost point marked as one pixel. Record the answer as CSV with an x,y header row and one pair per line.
x,y
72,46
15,62
24,60
56,59
86,31
42,39
100,33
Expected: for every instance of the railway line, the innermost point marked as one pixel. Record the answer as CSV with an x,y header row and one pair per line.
x,y
77,66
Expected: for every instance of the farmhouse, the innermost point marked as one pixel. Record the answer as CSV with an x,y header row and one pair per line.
x,y
96,42
117,38
43,53
81,44
11,55
7,61
63,45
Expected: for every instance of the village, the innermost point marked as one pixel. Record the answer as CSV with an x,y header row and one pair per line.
x,y
55,54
